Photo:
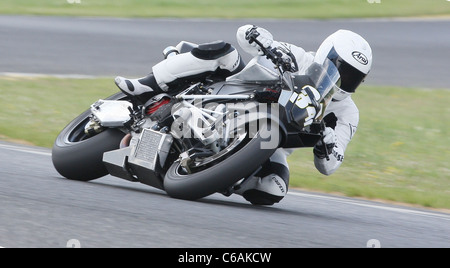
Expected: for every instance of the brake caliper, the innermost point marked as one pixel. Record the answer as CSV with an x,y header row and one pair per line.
x,y
93,127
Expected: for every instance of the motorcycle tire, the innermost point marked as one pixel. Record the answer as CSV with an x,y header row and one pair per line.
x,y
219,176
78,157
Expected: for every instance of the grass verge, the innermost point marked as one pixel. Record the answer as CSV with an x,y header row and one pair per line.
x,y
294,9
400,151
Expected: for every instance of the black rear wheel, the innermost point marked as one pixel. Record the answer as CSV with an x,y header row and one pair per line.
x,y
78,156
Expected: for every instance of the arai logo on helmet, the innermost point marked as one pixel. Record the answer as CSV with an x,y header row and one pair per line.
x,y
361,58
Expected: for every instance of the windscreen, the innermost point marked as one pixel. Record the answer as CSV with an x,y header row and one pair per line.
x,y
324,78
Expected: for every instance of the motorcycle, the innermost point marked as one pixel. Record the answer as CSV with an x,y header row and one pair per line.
x,y
206,137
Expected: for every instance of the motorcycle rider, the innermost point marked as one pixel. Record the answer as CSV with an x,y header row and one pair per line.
x,y
351,54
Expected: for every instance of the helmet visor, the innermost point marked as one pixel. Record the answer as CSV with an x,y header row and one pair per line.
x,y
350,76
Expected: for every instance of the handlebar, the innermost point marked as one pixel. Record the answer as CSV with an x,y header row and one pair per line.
x,y
272,54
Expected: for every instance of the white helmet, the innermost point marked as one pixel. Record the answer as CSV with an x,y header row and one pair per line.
x,y
352,56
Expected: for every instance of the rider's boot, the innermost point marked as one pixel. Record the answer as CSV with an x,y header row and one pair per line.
x,y
141,88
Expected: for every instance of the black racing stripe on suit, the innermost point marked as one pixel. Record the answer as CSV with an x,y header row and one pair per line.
x,y
212,51
150,81
129,85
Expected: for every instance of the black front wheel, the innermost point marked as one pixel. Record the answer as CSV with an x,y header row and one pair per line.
x,y
78,156
218,174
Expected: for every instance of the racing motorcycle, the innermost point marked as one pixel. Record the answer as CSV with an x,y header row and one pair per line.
x,y
206,137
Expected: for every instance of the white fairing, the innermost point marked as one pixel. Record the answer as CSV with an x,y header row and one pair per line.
x,y
255,71
111,113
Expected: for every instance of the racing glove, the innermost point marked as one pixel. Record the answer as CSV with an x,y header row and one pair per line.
x,y
263,36
285,58
330,140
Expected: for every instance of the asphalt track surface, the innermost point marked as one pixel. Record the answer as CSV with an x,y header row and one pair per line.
x,y
412,53
39,208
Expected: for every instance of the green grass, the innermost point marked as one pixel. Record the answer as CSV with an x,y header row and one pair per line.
x,y
36,109
400,152
229,8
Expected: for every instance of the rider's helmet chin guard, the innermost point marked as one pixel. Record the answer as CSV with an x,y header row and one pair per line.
x,y
352,56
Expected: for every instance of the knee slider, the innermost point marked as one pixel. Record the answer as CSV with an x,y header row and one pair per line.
x,y
260,198
267,191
